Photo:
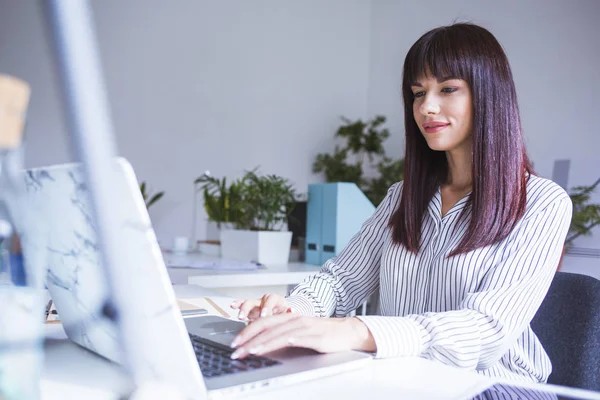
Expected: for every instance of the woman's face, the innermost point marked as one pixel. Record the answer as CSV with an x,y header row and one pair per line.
x,y
444,112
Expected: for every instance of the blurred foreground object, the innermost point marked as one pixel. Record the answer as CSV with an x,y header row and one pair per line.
x,y
21,306
14,100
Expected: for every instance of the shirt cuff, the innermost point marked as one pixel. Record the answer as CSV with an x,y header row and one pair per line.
x,y
396,336
301,305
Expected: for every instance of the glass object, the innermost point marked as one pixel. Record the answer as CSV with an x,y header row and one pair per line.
x,y
21,340
5,269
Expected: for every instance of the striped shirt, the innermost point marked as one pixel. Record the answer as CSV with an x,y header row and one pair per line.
x,y
471,310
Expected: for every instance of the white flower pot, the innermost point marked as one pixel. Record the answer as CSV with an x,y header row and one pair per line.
x,y
210,248
265,247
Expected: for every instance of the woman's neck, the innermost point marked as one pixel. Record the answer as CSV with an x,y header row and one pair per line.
x,y
460,169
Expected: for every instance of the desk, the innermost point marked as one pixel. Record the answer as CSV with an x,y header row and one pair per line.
x,y
239,284
72,372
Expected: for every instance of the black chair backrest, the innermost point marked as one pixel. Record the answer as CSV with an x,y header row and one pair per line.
x,y
568,325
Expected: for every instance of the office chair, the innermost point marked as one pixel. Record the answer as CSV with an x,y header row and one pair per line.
x,y
568,325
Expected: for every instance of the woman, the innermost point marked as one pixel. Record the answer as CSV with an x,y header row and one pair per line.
x,y
463,250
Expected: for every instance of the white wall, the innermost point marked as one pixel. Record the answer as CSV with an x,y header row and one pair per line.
x,y
554,52
581,265
226,86
24,53
204,85
553,49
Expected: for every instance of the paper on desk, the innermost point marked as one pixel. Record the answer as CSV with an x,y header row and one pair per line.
x,y
214,306
218,306
213,265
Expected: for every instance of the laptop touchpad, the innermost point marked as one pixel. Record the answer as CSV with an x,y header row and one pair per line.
x,y
215,328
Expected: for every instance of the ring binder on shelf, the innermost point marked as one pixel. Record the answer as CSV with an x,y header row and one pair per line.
x,y
335,213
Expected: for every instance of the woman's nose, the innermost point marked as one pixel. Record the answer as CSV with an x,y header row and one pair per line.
x,y
430,107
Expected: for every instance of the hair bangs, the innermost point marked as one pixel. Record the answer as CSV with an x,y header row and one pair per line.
x,y
437,54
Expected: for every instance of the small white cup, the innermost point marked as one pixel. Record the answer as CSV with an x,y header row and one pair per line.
x,y
181,245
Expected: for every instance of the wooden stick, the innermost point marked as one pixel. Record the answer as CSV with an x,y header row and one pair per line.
x,y
219,309
14,100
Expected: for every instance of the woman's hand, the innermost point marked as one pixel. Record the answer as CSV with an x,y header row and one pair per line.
x,y
269,304
325,335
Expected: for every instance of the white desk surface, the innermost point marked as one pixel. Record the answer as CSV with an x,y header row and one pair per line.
x,y
269,275
72,372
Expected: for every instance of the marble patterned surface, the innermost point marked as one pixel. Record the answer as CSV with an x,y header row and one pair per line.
x,y
60,230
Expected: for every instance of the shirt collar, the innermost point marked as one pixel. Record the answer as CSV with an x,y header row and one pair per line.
x,y
435,205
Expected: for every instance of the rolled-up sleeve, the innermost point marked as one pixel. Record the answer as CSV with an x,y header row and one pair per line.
x,y
348,279
489,321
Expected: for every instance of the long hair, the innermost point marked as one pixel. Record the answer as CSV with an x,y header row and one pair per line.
x,y
500,163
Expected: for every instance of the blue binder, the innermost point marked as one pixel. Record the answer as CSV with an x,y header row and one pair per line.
x,y
335,212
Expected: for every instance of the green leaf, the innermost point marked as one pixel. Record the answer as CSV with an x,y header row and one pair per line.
x,y
365,140
145,195
586,215
390,172
255,202
154,199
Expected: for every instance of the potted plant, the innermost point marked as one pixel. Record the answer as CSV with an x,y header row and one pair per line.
x,y
364,143
255,209
222,203
586,215
149,199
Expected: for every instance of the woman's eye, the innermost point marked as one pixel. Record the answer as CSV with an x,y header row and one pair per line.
x,y
419,94
449,90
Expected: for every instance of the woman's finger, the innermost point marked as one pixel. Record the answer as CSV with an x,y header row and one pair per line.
x,y
254,314
292,338
259,326
276,337
246,307
269,302
279,336
296,338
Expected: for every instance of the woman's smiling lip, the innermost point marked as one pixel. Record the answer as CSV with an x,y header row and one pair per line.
x,y
434,126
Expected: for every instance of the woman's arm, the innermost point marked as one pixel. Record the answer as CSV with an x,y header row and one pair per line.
x,y
345,281
491,319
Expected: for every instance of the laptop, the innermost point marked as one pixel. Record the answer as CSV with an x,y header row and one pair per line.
x,y
191,354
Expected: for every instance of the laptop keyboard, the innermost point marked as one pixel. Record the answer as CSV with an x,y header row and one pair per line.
x,y
215,359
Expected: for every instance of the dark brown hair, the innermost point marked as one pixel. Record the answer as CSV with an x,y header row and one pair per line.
x,y
500,162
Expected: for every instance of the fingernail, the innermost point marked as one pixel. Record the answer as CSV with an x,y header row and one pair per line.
x,y
235,343
236,354
264,312
242,316
255,350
